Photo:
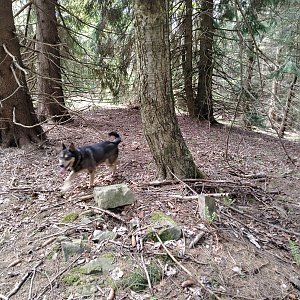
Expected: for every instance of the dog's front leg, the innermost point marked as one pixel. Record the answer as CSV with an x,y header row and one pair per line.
x,y
68,181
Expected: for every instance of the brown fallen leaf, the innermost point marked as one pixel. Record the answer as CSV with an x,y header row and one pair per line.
x,y
111,294
187,283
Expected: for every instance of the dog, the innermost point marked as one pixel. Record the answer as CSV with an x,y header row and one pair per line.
x,y
87,158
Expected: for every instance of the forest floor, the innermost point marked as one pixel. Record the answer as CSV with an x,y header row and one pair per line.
x,y
250,250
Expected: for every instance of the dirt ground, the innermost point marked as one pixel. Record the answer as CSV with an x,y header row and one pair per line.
x,y
250,250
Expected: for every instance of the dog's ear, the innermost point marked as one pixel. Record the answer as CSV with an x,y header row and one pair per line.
x,y
64,146
72,147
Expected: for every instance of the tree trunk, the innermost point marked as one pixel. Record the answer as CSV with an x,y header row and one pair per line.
x,y
187,57
160,125
17,117
288,105
204,104
247,101
49,84
273,112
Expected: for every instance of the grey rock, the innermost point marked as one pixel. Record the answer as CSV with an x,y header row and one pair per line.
x,y
113,196
99,235
76,246
102,264
166,227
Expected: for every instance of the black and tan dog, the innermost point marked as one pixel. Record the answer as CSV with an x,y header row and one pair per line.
x,y
87,158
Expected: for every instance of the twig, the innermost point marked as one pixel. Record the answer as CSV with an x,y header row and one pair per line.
x,y
106,212
19,284
196,239
217,195
264,222
147,274
31,126
14,59
55,277
192,190
168,182
185,269
32,279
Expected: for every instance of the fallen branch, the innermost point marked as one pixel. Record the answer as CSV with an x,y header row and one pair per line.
x,y
204,181
217,195
264,222
147,274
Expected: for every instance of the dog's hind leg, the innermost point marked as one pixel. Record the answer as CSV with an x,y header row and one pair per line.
x,y
92,177
112,166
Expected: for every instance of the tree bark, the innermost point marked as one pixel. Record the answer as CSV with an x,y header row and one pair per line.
x,y
287,108
49,83
247,102
204,104
160,125
187,58
17,117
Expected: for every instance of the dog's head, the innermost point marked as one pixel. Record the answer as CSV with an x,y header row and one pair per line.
x,y
66,158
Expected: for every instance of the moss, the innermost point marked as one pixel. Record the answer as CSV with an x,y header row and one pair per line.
x,y
109,256
137,281
158,217
71,217
72,278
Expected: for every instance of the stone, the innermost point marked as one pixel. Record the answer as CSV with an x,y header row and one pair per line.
x,y
113,196
76,246
207,207
166,227
99,235
102,264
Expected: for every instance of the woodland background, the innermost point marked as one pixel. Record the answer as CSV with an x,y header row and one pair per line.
x,y
204,94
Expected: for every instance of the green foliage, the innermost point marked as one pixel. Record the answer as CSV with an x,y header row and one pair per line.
x,y
137,281
295,250
288,67
254,118
227,200
210,217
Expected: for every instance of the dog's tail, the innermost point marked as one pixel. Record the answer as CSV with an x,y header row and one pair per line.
x,y
117,139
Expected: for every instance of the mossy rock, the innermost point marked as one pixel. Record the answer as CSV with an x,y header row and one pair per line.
x,y
102,264
165,226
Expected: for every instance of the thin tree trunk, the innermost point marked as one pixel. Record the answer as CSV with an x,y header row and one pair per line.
x,y
273,114
288,105
187,62
247,106
204,102
50,92
160,125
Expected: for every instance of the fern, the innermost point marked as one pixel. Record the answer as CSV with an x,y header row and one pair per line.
x,y
295,250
